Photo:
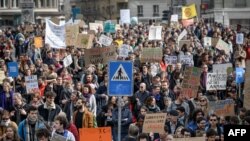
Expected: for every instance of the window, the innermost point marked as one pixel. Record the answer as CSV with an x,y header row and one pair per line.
x,y
48,3
155,10
140,11
42,3
240,3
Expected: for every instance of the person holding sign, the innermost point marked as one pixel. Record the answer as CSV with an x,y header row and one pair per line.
x,y
240,56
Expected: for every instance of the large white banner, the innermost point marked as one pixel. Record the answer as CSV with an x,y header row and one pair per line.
x,y
155,33
216,81
55,35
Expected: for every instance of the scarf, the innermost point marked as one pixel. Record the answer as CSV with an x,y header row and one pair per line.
x,y
29,133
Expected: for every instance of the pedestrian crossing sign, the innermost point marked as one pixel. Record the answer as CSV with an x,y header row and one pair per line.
x,y
120,74
120,78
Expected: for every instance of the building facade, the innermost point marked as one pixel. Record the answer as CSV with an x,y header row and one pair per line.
x,y
99,9
10,10
227,12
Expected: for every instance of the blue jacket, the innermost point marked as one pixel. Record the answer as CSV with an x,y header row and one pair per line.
x,y
22,131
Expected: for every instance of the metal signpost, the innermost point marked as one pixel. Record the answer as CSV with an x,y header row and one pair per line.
x,y
120,83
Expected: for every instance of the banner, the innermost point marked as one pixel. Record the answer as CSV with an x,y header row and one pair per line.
x,y
187,60
55,35
154,123
223,68
183,33
189,12
67,61
109,28
187,22
170,60
222,107
247,86
100,55
207,41
155,33
221,45
151,54
72,32
124,50
240,38
95,27
84,40
105,40
191,82
125,16
216,81
31,84
174,18
95,134
38,42
239,75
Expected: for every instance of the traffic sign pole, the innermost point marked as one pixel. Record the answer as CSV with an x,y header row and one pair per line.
x,y
119,117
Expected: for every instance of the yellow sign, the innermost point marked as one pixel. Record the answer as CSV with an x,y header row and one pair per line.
x,y
189,12
38,42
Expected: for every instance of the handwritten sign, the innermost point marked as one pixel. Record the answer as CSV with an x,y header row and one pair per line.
x,y
216,81
67,61
154,123
174,18
124,50
84,40
222,107
221,45
207,41
240,38
125,16
223,68
187,59
191,82
72,32
105,40
247,86
100,55
155,33
31,84
95,134
95,27
151,54
170,60
38,42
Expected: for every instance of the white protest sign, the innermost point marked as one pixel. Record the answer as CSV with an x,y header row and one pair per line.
x,y
67,61
221,45
31,84
183,33
55,35
105,40
95,26
222,68
174,18
240,38
207,41
125,16
155,33
170,60
187,59
216,81
124,50
134,20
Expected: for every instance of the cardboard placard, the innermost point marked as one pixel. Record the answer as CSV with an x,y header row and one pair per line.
x,y
221,45
216,81
151,54
223,68
84,41
29,28
246,102
191,82
72,32
38,42
57,137
207,41
154,123
100,55
124,50
187,59
170,60
31,84
222,107
95,27
95,134
105,40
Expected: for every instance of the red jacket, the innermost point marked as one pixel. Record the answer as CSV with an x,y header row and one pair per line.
x,y
72,128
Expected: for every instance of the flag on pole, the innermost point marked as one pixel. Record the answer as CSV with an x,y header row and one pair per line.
x,y
189,11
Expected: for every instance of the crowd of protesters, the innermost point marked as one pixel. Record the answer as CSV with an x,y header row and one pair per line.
x,y
76,97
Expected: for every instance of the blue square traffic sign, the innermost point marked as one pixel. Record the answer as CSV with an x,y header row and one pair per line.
x,y
120,78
